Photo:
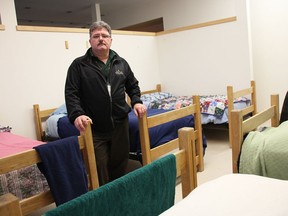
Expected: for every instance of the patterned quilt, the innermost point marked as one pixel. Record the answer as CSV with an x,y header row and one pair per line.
x,y
212,104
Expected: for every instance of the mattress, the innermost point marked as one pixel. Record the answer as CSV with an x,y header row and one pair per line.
x,y
237,195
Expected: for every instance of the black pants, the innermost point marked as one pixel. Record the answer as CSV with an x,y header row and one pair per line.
x,y
112,152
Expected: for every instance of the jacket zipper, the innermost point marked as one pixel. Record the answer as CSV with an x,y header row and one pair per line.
x,y
109,93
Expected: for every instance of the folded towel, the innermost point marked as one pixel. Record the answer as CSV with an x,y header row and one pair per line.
x,y
63,167
149,190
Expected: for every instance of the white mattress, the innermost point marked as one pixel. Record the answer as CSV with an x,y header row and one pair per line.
x,y
233,195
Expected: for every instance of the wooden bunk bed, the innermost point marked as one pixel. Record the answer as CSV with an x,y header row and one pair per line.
x,y
14,206
135,144
241,127
145,123
250,110
157,99
146,200
40,116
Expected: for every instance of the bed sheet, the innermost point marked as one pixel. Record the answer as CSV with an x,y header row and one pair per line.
x,y
25,182
237,195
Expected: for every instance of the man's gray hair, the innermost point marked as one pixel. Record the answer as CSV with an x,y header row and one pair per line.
x,y
99,25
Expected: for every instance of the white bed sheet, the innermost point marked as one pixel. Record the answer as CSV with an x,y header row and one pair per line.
x,y
235,195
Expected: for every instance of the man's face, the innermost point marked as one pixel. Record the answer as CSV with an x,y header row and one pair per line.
x,y
100,40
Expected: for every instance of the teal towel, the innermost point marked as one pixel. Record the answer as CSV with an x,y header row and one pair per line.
x,y
147,191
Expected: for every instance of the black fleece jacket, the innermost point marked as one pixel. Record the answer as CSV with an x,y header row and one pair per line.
x,y
86,91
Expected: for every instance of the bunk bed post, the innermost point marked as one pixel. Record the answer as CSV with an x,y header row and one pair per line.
x,y
89,158
198,128
158,87
237,137
253,97
230,107
144,140
275,102
38,122
9,205
189,173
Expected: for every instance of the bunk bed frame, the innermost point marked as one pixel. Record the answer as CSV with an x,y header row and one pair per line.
x,y
31,157
148,154
240,127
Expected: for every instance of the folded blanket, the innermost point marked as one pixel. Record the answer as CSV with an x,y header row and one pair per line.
x,y
149,190
63,167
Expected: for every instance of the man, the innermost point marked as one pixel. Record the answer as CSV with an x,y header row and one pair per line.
x,y
95,91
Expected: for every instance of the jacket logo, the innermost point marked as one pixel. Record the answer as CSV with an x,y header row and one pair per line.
x,y
118,72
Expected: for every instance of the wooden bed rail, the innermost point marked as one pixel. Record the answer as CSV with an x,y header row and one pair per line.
x,y
31,157
240,127
231,95
149,155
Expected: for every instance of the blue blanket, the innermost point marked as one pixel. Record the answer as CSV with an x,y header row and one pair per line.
x,y
159,134
63,167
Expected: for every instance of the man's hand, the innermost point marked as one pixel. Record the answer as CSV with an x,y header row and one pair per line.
x,y
139,110
81,122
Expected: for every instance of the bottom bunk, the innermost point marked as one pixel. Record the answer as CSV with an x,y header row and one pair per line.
x,y
58,126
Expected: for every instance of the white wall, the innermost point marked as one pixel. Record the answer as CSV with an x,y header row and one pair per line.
x,y
206,60
175,13
269,35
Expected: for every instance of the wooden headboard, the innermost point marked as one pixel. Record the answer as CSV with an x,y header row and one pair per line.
x,y
40,117
157,89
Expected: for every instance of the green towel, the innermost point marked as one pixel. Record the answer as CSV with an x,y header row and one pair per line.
x,y
148,191
265,153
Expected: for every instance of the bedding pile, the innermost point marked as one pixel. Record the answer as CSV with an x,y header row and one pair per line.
x,y
265,152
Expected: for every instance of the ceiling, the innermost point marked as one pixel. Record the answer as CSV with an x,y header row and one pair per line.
x,y
65,13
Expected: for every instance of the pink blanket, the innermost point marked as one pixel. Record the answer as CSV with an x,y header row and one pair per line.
x,y
12,144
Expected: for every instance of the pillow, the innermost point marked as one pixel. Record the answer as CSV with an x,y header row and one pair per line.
x,y
5,129
60,110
